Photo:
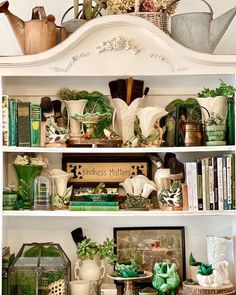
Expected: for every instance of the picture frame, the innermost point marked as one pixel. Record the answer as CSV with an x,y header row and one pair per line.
x,y
148,245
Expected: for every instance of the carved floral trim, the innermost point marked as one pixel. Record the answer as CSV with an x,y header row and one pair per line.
x,y
72,61
164,60
117,43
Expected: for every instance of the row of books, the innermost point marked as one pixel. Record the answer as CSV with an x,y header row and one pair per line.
x,y
7,260
21,122
211,183
94,206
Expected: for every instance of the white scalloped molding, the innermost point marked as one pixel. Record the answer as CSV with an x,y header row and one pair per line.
x,y
63,56
164,60
117,43
72,61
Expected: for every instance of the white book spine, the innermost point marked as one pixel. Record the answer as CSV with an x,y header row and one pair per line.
x,y
211,183
220,183
194,186
204,183
229,181
188,180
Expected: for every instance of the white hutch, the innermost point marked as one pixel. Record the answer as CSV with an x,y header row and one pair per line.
x,y
102,50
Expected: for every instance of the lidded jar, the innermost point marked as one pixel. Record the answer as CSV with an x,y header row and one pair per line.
x,y
42,192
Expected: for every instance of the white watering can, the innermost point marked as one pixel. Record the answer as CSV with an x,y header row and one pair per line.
x,y
198,30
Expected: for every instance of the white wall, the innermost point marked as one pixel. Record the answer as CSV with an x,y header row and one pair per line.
x,y
8,44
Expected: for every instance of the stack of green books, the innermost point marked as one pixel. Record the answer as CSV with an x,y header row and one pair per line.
x,y
94,206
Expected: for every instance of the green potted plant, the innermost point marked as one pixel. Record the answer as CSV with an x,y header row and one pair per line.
x,y
91,259
215,130
205,274
215,100
89,9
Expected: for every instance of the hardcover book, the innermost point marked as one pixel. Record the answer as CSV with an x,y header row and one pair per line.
x,y
93,208
12,115
5,120
35,125
23,123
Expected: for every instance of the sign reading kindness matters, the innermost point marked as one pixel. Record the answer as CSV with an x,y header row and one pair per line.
x,y
105,172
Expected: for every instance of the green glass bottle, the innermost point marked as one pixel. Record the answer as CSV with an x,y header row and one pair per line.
x,y
230,122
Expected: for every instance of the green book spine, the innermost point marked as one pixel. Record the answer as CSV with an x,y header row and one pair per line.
x,y
23,123
5,120
91,203
12,122
35,125
93,208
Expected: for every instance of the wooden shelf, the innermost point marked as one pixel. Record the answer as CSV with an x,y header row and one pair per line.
x,y
120,213
121,150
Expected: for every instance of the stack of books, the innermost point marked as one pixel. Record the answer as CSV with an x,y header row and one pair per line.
x,y
21,123
211,183
94,206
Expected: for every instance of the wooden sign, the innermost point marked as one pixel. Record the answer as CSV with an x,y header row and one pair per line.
x,y
98,168
104,172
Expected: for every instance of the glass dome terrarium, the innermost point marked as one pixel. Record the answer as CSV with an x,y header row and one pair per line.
x,y
40,269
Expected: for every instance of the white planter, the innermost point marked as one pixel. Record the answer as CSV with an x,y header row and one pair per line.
x,y
89,269
75,107
148,116
217,105
124,117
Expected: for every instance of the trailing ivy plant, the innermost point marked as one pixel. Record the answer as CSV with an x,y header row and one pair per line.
x,y
223,90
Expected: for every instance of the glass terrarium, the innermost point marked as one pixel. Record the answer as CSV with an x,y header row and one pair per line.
x,y
40,269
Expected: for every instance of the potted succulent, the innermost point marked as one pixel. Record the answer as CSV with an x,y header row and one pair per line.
x,y
89,9
205,275
91,259
215,130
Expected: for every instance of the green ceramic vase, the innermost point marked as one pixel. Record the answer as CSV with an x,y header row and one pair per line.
x,y
26,175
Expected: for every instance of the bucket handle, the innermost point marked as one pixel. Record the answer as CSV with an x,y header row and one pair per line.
x,y
169,7
68,10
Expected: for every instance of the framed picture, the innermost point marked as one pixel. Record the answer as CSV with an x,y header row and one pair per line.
x,y
148,245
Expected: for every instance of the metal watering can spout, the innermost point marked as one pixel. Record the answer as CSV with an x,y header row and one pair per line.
x,y
17,24
218,27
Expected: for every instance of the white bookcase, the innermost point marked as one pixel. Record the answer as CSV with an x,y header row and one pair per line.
x,y
170,70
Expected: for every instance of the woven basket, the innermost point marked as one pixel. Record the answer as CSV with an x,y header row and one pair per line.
x,y
154,17
157,18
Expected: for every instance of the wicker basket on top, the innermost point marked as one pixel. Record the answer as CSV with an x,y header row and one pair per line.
x,y
159,19
154,17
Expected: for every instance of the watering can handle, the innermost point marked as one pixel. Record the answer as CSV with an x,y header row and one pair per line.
x,y
41,12
4,7
168,8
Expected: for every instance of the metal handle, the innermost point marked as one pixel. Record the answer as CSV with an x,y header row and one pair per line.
x,y
165,27
68,10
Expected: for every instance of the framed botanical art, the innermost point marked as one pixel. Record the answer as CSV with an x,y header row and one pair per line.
x,y
148,245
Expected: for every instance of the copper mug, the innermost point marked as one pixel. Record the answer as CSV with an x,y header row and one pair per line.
x,y
192,133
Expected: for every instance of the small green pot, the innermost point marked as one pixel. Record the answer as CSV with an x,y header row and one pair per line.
x,y
215,134
9,201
